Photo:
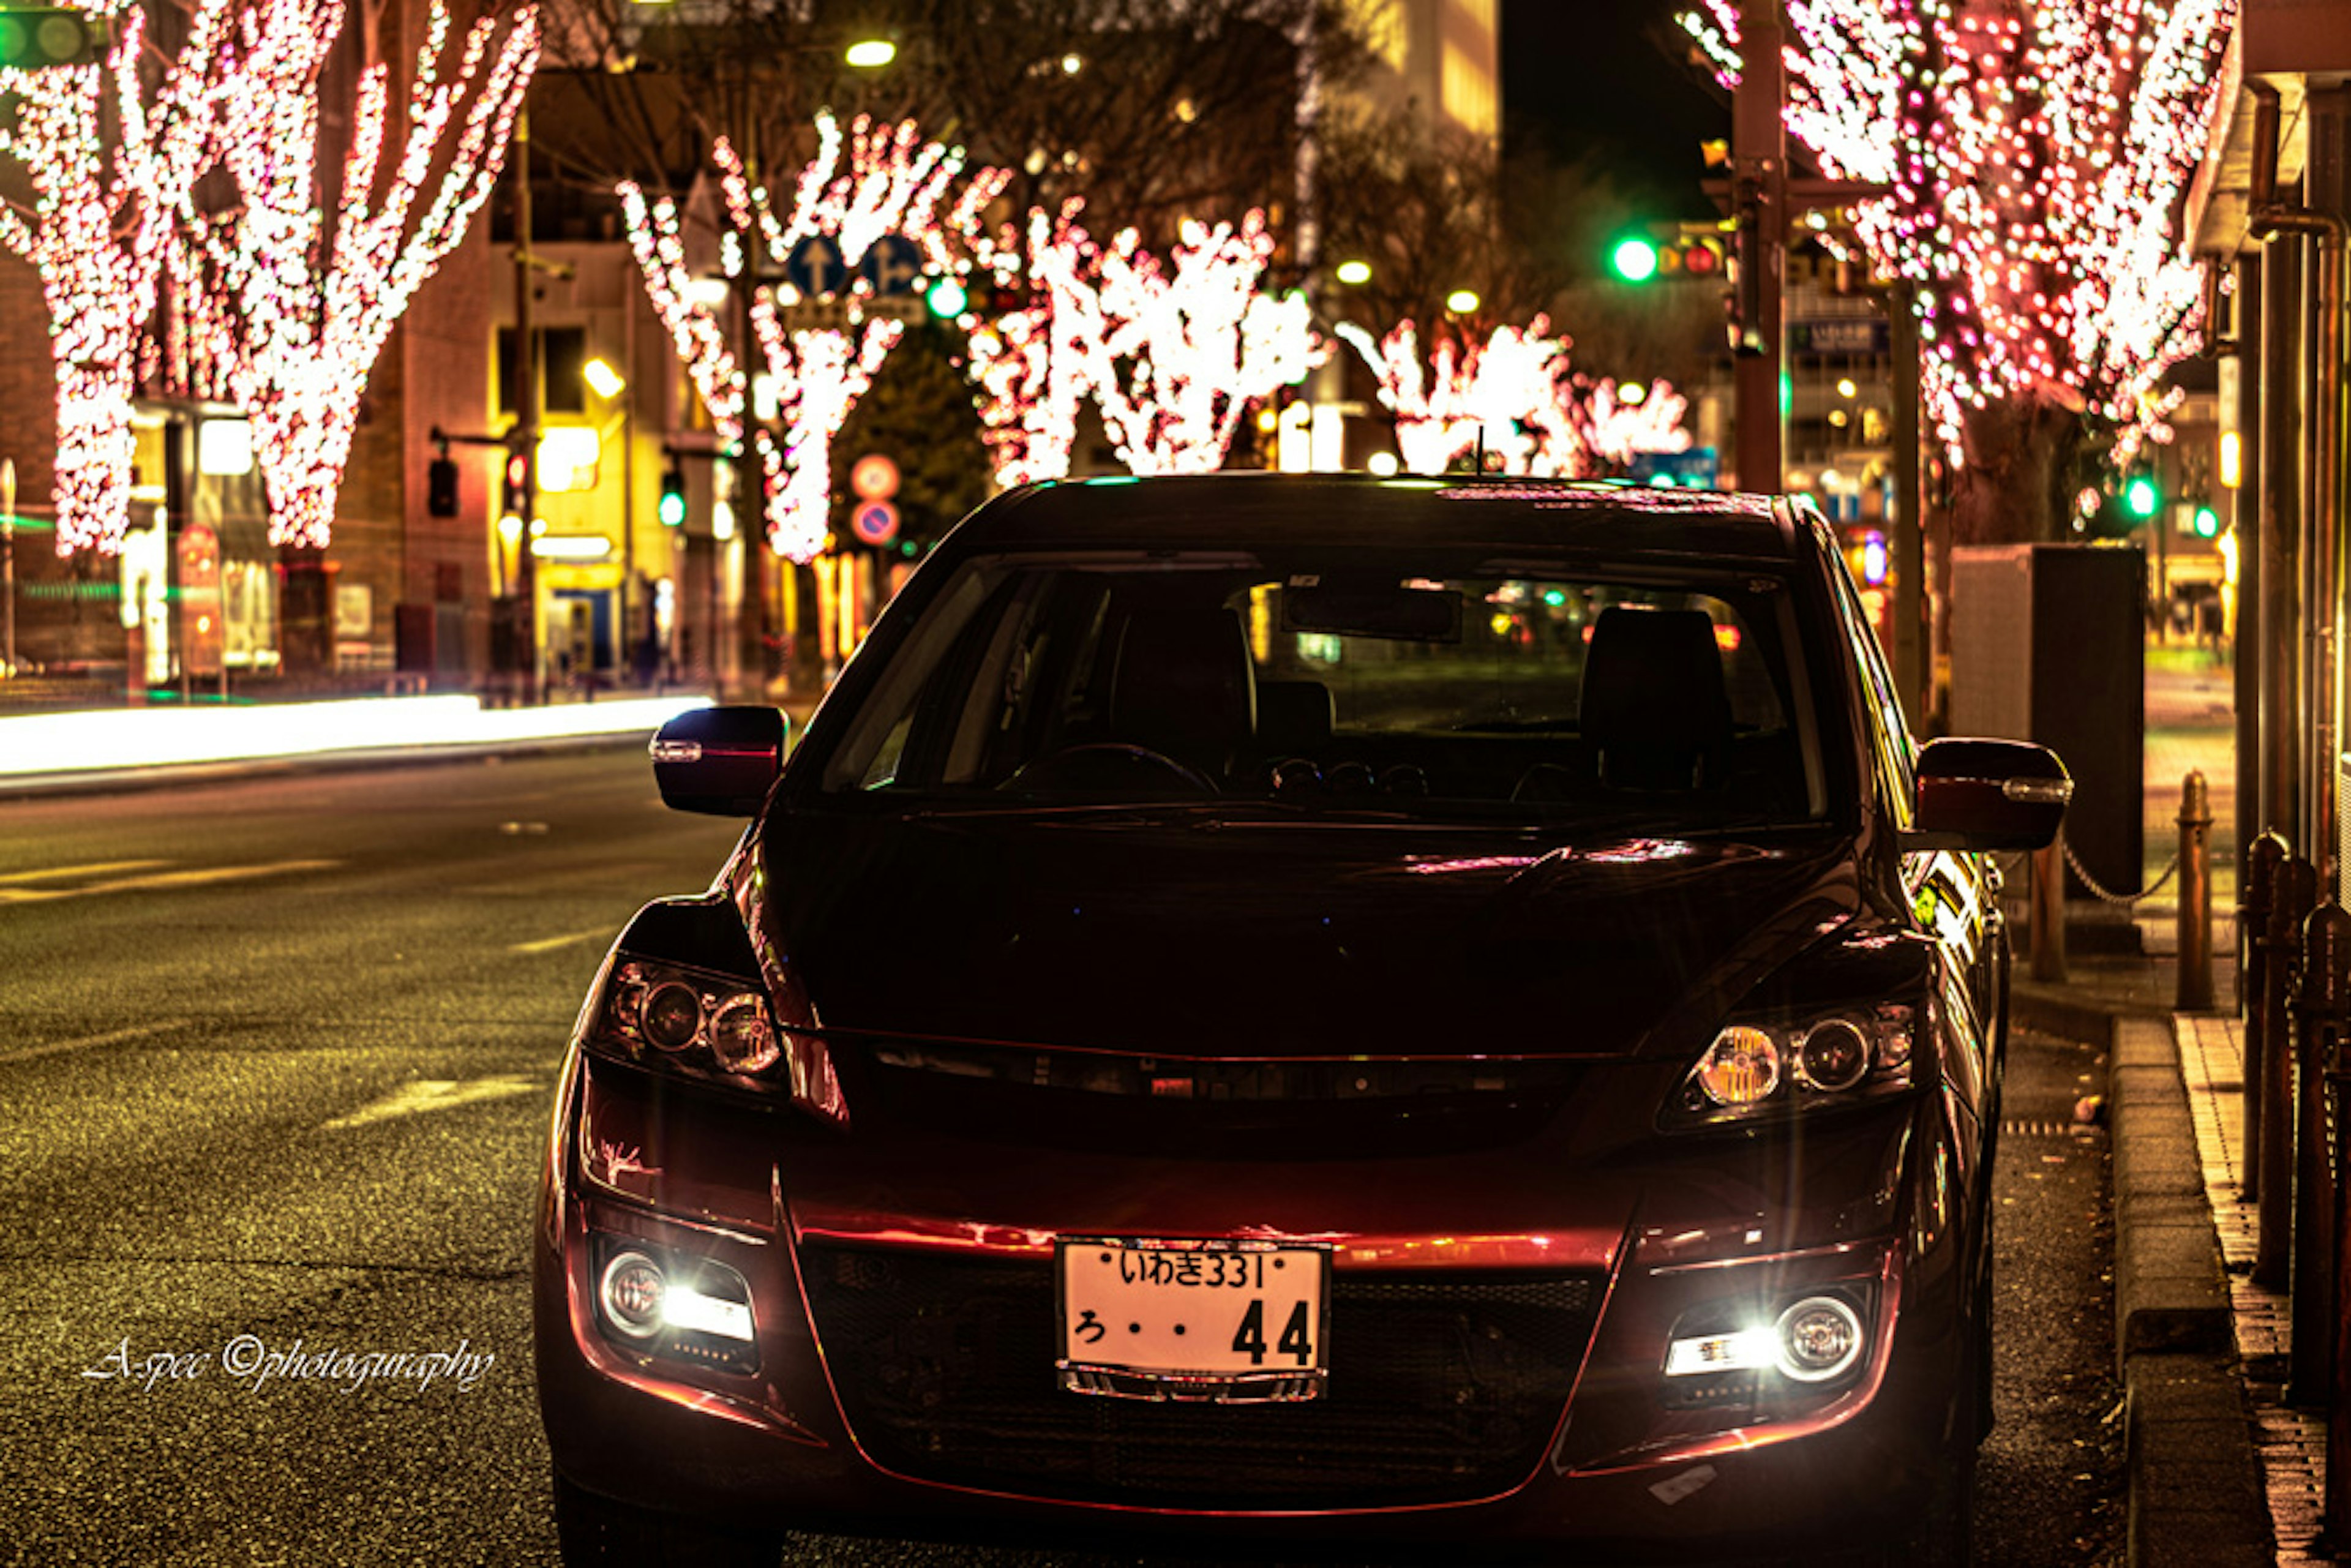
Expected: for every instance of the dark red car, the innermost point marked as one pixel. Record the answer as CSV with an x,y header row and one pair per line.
x,y
1269,1011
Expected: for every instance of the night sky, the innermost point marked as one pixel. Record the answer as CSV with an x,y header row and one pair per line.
x,y
1597,77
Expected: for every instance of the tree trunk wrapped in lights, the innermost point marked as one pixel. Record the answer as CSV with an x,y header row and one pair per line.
x,y
286,317
893,183
97,231
2039,157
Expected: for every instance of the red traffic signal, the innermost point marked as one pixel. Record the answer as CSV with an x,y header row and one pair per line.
x,y
1693,255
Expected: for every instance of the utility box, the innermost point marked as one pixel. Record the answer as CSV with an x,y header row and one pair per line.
x,y
2048,644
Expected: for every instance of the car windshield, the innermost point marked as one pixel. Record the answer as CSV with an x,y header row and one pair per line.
x,y
1335,680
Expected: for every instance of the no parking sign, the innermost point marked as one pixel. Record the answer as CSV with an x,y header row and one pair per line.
x,y
875,522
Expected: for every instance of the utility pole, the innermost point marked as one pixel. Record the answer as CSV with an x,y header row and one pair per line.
x,y
1760,207
1913,663
524,438
7,567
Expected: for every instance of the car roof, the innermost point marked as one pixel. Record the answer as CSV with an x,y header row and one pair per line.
x,y
1253,510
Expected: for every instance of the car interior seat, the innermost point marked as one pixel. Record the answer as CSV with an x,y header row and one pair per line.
x,y
1186,687
1653,705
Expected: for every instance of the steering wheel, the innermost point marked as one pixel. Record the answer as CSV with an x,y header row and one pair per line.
x,y
1109,766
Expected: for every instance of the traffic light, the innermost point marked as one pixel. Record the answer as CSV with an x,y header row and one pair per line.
x,y
34,36
517,475
672,498
1693,255
1638,258
1634,258
947,298
1745,300
2142,497
441,489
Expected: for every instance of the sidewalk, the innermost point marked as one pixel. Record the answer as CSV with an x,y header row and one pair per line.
x,y
2221,1473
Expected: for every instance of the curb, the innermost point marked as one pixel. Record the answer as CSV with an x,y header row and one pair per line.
x,y
2197,1497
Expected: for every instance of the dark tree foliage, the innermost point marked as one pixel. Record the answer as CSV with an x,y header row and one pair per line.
x,y
1152,112
918,413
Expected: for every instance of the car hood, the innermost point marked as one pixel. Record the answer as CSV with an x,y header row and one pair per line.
x,y
1207,936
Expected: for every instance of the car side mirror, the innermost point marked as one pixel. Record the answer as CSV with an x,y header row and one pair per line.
x,y
1988,795
719,760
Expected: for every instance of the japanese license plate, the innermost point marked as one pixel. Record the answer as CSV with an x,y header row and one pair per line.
x,y
1227,1321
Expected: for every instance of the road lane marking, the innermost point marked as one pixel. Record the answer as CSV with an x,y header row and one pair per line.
x,y
549,943
111,1037
192,876
435,1094
96,868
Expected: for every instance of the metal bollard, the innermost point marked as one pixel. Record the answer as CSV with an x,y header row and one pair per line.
x,y
2049,913
2194,991
2321,1018
2297,894
2337,1490
2263,858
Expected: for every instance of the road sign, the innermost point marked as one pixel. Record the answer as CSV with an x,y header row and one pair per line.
x,y
893,266
874,478
1696,467
1859,336
875,522
815,267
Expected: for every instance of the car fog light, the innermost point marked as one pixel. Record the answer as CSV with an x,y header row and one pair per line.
x,y
1820,1337
1741,1068
672,1015
632,1291
1833,1055
740,1038
717,1304
1742,1350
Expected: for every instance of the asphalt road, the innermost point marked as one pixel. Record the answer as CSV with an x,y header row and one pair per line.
x,y
274,1064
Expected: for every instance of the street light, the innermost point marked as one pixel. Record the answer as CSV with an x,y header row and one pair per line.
x,y
1353,272
871,54
600,375
1462,301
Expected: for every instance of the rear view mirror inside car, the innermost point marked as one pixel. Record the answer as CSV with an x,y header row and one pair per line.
x,y
1369,610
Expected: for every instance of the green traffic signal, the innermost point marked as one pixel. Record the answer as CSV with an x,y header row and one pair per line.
x,y
2141,498
2207,523
947,299
34,37
673,500
1634,259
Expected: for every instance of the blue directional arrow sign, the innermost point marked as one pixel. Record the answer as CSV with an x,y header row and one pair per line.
x,y
892,264
815,267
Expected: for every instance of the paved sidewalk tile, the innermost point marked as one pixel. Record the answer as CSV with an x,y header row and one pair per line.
x,y
2292,1444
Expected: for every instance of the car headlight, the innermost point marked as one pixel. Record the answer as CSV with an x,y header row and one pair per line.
x,y
1759,1067
716,1028
1804,1342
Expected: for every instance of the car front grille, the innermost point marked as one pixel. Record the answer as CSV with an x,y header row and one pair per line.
x,y
1443,1388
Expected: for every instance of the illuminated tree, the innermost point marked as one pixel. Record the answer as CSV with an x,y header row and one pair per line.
x,y
894,183
2038,157
288,314
1172,351
1030,365
1513,397
97,229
